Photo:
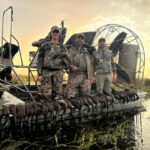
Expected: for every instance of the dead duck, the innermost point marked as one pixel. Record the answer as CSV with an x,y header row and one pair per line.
x,y
69,104
109,99
50,106
116,97
1,110
38,97
20,109
56,105
12,109
93,99
122,98
127,96
132,95
114,92
119,95
63,103
6,111
44,109
102,100
80,99
37,107
29,109
90,101
85,101
75,102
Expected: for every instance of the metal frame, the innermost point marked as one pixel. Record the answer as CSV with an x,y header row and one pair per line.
x,y
12,37
31,69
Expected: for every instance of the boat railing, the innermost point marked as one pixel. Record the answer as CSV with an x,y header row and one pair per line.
x,y
11,36
25,88
9,63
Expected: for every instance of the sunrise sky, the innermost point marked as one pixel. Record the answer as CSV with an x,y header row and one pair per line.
x,y
33,19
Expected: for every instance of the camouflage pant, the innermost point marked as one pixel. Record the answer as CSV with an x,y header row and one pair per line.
x,y
76,83
52,82
104,83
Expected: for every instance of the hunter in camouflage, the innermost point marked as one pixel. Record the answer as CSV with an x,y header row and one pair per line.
x,y
81,69
104,68
51,62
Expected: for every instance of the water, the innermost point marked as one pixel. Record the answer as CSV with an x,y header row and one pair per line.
x,y
119,133
145,119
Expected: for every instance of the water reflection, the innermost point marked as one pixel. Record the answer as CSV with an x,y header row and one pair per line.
x,y
146,125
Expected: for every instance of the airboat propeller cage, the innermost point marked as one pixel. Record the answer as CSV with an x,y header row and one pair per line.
x,y
129,55
126,67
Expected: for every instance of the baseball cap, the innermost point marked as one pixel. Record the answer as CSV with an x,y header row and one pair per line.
x,y
102,39
81,35
55,28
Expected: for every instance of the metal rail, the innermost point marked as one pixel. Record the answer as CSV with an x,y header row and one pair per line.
x,y
24,85
11,36
19,48
12,85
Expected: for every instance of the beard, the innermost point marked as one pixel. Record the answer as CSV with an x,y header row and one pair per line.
x,y
79,43
101,46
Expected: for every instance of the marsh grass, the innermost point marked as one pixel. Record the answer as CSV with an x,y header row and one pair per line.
x,y
89,137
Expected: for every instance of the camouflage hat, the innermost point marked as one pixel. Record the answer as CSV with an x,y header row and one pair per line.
x,y
102,39
81,35
55,28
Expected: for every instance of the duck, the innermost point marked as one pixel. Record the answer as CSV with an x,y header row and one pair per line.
x,y
20,109
12,109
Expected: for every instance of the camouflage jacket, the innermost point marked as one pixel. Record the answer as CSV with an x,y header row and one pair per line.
x,y
104,61
51,57
81,59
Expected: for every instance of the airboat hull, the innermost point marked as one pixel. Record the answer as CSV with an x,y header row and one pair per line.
x,y
8,99
11,123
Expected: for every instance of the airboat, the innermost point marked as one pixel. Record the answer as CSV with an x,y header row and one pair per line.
x,y
19,105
